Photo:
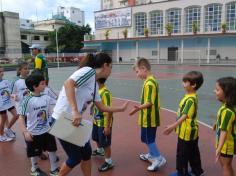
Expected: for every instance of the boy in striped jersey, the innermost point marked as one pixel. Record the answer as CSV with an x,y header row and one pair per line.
x,y
102,127
186,127
149,116
35,108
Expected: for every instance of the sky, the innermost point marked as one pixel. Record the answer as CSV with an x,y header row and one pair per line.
x,y
43,9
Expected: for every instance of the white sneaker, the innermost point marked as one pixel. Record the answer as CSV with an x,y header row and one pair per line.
x,y
145,157
9,133
162,161
154,166
4,138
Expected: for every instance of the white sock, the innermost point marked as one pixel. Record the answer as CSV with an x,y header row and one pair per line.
x,y
34,164
108,160
53,160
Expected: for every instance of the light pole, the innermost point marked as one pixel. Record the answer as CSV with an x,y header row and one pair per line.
x,y
57,50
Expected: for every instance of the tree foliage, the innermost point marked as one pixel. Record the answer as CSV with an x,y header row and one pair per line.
x,y
70,38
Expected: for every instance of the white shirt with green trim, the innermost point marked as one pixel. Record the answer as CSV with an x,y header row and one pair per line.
x,y
5,95
84,92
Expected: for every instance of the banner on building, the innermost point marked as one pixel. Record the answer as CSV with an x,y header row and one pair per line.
x,y
113,18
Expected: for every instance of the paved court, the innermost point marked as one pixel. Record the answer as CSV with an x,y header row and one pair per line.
x,y
126,144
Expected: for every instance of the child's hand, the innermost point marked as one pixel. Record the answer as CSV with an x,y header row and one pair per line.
x,y
14,97
124,106
214,127
168,130
217,155
107,131
134,110
28,136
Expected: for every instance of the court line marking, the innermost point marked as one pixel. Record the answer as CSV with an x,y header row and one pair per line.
x,y
166,109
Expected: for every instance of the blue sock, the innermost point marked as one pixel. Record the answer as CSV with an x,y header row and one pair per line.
x,y
153,150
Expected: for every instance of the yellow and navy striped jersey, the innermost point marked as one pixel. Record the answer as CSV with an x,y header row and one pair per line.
x,y
100,118
188,129
226,121
150,117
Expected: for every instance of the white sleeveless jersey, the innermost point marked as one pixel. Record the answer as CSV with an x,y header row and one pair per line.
x,y
84,92
19,88
5,95
36,110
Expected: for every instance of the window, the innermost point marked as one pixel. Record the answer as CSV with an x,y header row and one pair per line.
x,y
192,15
36,37
23,37
46,38
156,22
231,16
140,23
154,53
174,18
213,17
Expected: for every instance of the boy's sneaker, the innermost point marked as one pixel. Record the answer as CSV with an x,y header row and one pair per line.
x,y
145,157
55,172
106,166
38,172
157,163
9,133
154,166
162,161
178,174
96,153
4,138
193,174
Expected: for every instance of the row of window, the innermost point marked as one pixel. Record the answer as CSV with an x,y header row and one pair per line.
x,y
35,37
192,15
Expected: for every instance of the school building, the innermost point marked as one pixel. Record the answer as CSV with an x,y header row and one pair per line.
x,y
178,31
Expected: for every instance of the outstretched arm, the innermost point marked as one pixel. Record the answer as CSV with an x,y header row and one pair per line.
x,y
104,108
138,108
171,127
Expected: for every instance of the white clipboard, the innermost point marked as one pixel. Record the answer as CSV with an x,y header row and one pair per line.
x,y
63,129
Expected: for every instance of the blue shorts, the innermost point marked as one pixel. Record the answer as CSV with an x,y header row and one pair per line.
x,y
75,153
148,135
98,136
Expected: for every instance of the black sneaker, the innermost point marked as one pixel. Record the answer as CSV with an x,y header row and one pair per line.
x,y
96,153
38,172
106,166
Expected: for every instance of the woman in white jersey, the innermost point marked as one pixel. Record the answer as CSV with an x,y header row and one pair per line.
x,y
78,91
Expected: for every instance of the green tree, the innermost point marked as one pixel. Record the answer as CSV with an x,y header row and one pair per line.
x,y
70,38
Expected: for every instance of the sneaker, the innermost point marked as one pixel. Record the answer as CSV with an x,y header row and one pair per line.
x,y
9,133
38,172
106,166
145,157
55,172
154,166
4,138
96,153
162,161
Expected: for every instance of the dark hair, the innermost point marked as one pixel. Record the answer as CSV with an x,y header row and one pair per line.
x,y
37,72
20,66
142,62
228,85
101,80
33,80
194,77
96,61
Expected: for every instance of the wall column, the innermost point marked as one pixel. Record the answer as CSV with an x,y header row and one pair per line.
x,y
182,51
117,51
137,49
158,51
208,50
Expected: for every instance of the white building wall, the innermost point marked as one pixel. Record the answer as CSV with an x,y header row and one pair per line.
x,y
26,24
164,6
